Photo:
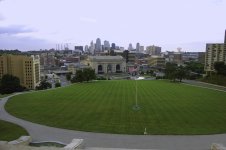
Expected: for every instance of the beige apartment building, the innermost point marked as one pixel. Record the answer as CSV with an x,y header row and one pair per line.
x,y
26,68
215,52
153,50
157,61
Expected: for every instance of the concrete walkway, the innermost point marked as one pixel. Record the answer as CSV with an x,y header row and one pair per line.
x,y
205,85
160,142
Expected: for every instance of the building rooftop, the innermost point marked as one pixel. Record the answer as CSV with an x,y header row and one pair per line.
x,y
114,58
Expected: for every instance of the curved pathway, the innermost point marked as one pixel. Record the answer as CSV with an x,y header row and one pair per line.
x,y
162,142
205,85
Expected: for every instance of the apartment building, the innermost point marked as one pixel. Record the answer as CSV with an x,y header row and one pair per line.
x,y
157,61
215,52
26,68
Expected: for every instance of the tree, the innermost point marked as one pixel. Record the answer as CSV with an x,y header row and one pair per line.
x,y
220,68
58,84
79,76
68,76
10,84
171,71
44,85
86,74
112,53
89,74
195,67
180,73
126,55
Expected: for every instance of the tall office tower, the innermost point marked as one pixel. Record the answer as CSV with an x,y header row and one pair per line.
x,y
79,48
153,50
98,47
141,49
106,45
26,68
130,48
215,52
113,46
138,47
86,48
92,47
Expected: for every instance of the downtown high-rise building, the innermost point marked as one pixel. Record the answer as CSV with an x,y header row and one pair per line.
x,y
113,46
107,45
98,47
141,49
130,48
92,47
138,47
86,48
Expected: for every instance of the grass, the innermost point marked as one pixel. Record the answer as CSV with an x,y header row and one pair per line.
x,y
106,106
9,131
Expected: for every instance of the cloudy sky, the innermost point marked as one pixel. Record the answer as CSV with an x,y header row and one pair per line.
x,y
40,24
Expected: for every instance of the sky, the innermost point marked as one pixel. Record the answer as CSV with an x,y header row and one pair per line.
x,y
41,24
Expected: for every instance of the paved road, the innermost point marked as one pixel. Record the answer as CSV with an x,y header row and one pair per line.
x,y
205,85
161,142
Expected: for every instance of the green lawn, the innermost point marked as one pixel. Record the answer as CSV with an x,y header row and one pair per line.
x,y
9,131
106,106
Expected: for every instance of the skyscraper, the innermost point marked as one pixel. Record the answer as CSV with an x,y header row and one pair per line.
x,y
98,47
141,49
92,47
113,46
86,48
79,48
130,48
106,45
138,47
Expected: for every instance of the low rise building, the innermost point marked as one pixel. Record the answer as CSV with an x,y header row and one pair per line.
x,y
107,64
157,61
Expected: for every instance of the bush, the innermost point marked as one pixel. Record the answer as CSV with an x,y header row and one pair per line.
x,y
58,84
10,84
44,85
101,78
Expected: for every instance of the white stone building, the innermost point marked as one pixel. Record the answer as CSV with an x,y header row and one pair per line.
x,y
107,64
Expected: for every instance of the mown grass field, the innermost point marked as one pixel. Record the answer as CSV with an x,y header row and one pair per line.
x,y
106,106
9,131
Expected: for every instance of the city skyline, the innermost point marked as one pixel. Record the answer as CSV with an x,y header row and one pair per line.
x,y
42,24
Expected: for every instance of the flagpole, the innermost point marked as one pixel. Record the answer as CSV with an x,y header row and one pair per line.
x,y
136,107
